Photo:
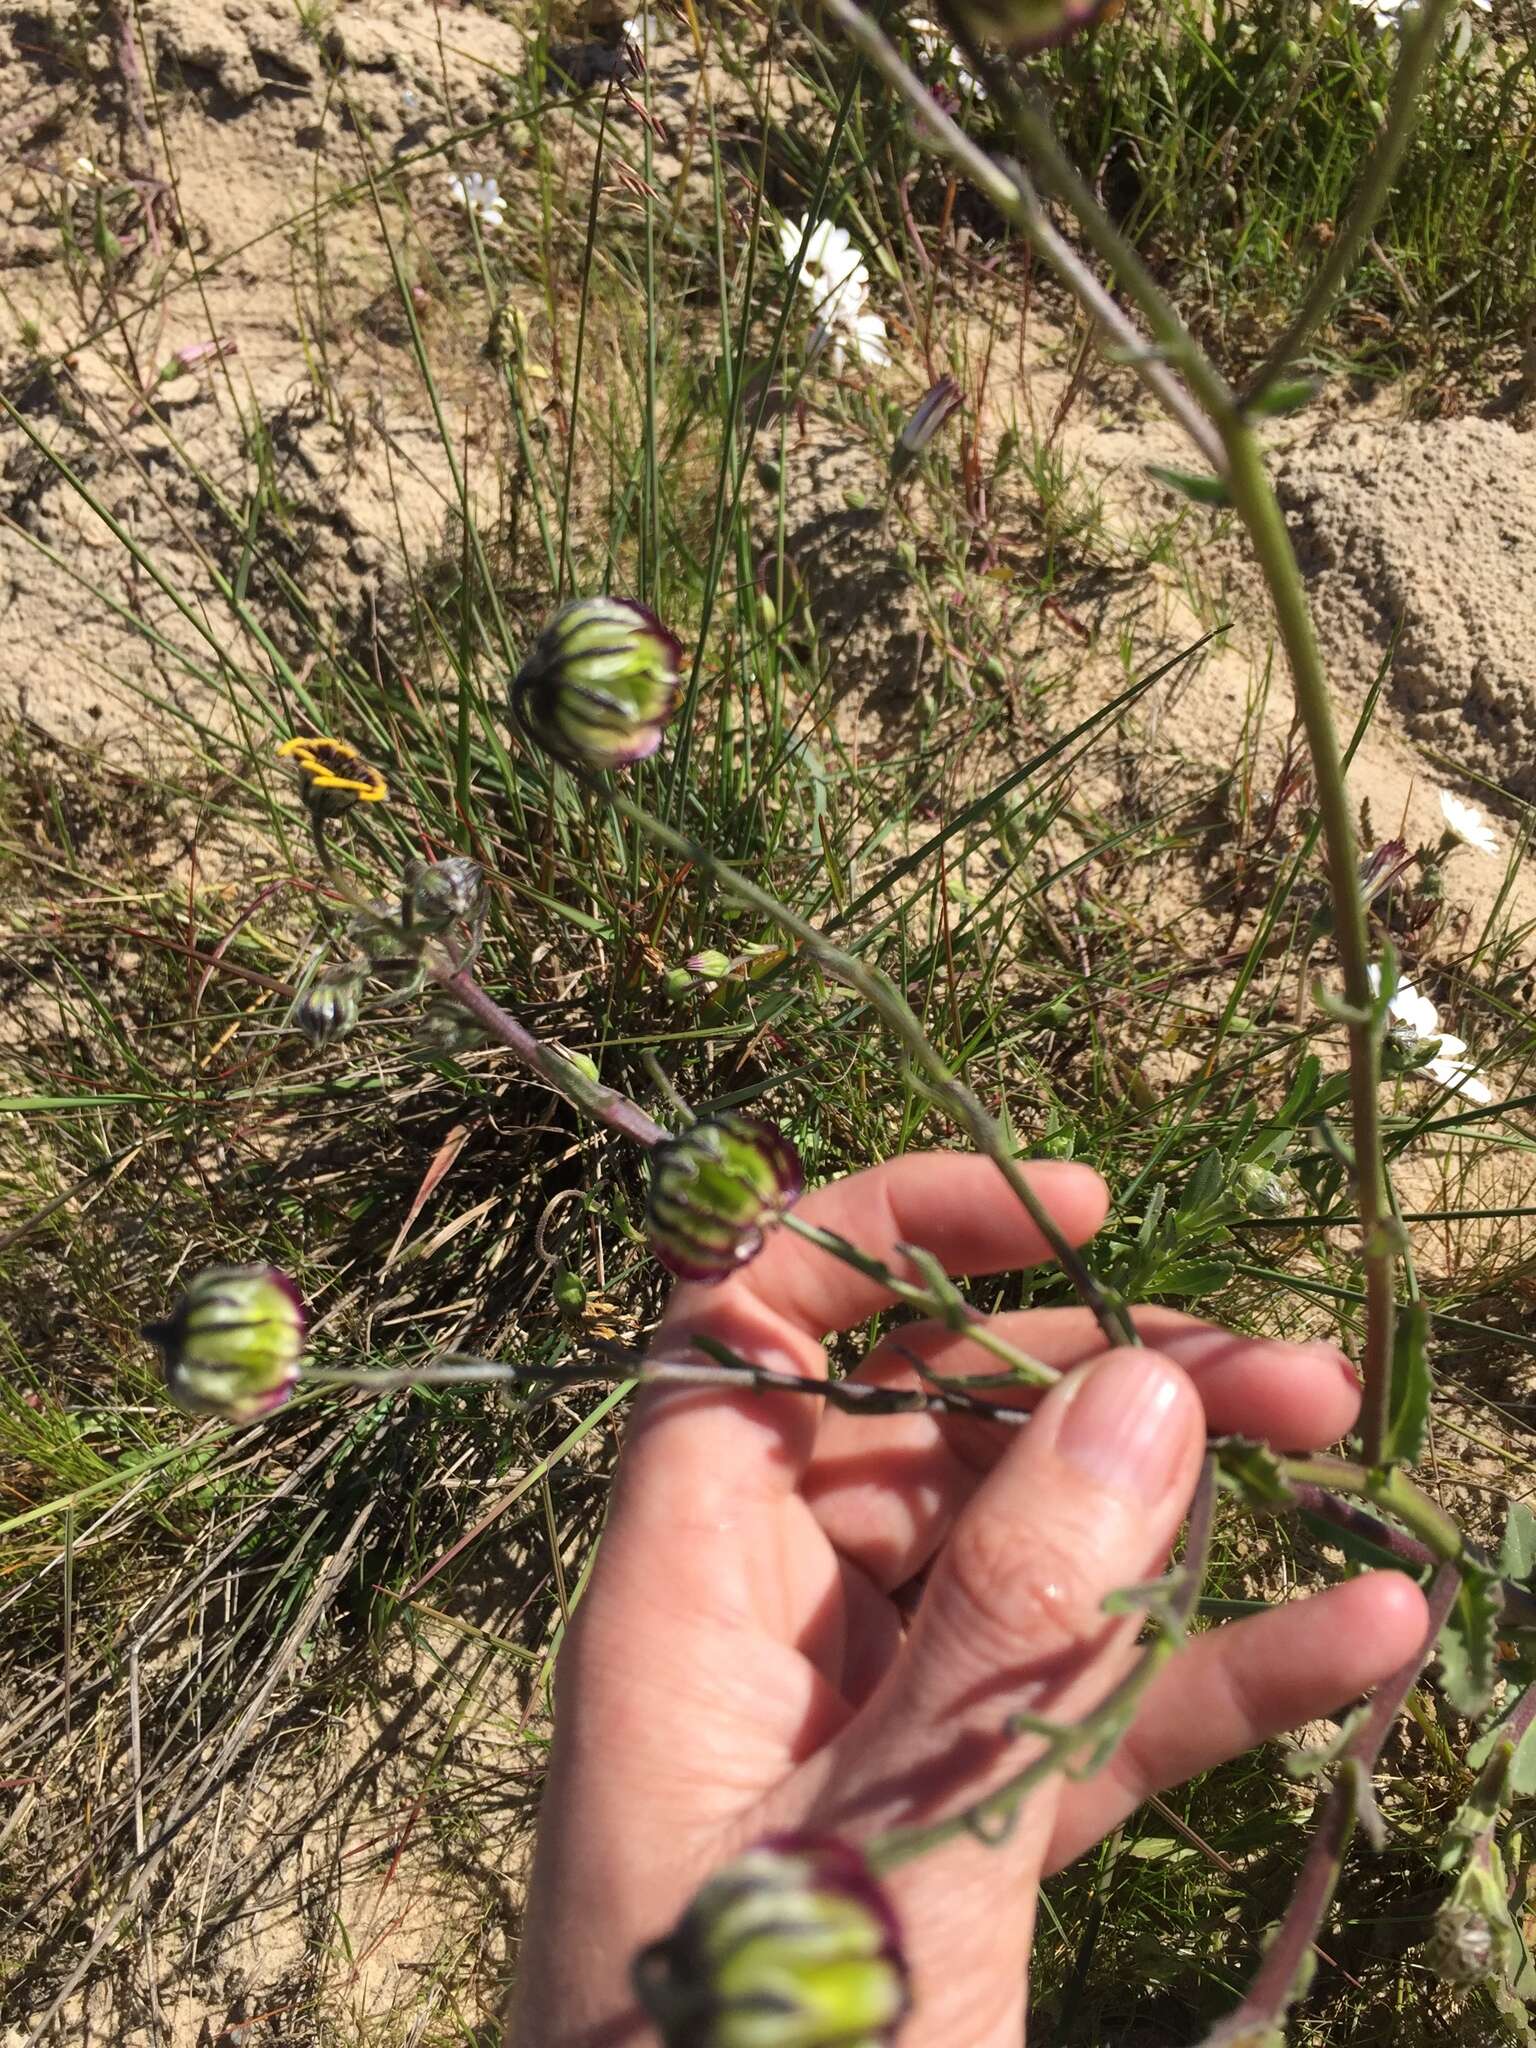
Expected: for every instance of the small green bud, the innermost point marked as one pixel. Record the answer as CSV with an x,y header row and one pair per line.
x,y
583,1062
710,965
601,682
1261,1192
443,1028
330,1007
676,983
715,1189
794,1945
1031,24
444,893
569,1292
232,1344
1461,1949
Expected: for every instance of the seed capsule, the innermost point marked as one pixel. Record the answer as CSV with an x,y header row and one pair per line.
x,y
716,1189
794,1945
330,1007
233,1343
600,684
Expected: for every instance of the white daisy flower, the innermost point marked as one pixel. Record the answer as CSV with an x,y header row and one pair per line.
x,y
1467,823
863,337
831,269
480,196
1419,1021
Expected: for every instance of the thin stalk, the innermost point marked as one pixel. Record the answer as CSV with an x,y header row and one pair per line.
x,y
991,1817
1279,1977
888,1003
1419,35
1254,498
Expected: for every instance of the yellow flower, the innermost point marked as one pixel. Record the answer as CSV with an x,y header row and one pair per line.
x,y
334,775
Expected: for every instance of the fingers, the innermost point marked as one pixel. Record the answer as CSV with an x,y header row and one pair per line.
x,y
1241,1685
710,1449
1087,1499
887,1489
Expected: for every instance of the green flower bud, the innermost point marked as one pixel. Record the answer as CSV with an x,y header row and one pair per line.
x,y
1032,24
600,684
710,965
1461,1950
444,893
676,983
444,1028
715,1189
232,1344
1261,1192
794,1945
330,1007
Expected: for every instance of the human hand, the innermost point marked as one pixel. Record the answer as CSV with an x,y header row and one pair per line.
x,y
746,1660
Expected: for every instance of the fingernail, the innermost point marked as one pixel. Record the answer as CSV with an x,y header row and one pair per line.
x,y
1122,1429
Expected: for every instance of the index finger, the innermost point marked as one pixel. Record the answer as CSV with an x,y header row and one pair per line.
x,y
774,1312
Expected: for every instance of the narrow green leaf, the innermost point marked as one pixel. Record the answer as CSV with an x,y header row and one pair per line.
x,y
1204,490
1412,1386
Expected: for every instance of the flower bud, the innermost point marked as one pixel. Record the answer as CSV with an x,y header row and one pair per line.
x,y
330,1007
1461,1949
445,1028
1261,1192
1381,867
938,403
233,1343
794,1945
444,893
710,965
600,684
715,1189
1032,24
333,776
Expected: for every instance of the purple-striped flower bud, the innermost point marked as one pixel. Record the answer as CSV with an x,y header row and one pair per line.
x,y
601,682
1381,867
232,1344
794,1945
939,403
331,1006
715,1190
1034,24
1261,1192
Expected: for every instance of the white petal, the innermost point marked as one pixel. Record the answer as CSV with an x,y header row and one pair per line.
x,y
1453,1074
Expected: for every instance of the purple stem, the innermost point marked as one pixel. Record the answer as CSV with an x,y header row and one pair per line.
x,y
606,1104
1274,1984
1519,1605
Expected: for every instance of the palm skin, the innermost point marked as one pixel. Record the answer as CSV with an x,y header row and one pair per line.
x,y
804,1619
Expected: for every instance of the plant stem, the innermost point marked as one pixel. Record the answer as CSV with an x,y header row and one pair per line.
x,y
1278,1978
1388,1488
991,1817
1254,498
605,1104
886,1000
1419,35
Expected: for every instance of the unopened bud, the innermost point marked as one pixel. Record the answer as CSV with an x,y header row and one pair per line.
x,y
444,1028
1261,1192
1461,1949
233,1343
794,1945
601,682
1381,867
715,1189
710,965
330,1007
938,404
444,893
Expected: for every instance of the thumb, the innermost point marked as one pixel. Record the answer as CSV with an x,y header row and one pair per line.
x,y
1088,1498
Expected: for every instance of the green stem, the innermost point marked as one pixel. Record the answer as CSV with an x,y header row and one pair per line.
x,y
1420,39
883,997
991,1817
1389,1488
1254,498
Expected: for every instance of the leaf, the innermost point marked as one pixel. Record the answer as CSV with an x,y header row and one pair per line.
x,y
1468,1643
1204,1187
1412,1386
1522,1761
1288,395
1204,490
1295,1106
1190,1277
1253,1473
1478,1814
1517,1553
